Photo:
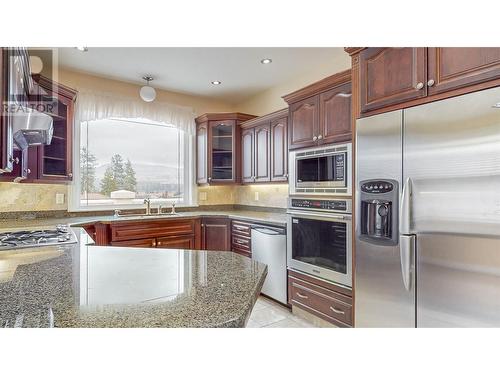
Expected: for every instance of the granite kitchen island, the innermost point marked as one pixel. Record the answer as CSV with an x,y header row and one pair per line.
x,y
82,285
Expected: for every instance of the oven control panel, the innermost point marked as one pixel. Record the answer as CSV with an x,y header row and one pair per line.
x,y
319,204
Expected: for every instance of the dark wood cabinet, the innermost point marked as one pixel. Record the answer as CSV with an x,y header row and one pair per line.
x,y
176,242
171,233
335,114
262,153
219,147
391,75
304,117
241,240
141,242
279,149
247,155
452,67
327,301
201,153
396,78
215,234
264,150
320,113
54,162
6,147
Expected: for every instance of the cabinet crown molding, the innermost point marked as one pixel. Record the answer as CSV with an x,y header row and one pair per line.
x,y
353,50
60,89
224,116
265,118
318,87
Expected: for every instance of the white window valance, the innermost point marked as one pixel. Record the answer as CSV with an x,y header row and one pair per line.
x,y
92,106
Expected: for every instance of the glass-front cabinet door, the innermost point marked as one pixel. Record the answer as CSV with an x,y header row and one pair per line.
x,y
221,151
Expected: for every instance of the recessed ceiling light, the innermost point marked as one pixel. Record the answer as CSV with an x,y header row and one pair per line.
x,y
266,61
216,82
82,49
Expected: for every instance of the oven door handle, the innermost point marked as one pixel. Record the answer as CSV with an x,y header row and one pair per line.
x,y
319,216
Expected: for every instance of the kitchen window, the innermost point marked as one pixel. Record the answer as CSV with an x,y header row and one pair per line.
x,y
122,161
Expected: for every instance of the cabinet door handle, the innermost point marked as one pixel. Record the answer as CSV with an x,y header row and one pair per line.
x,y
337,310
420,86
320,136
210,179
315,138
301,295
285,175
430,83
70,175
239,227
241,242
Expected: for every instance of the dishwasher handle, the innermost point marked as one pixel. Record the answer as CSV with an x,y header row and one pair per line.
x,y
272,231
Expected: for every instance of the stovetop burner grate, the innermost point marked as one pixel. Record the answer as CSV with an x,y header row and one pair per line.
x,y
40,237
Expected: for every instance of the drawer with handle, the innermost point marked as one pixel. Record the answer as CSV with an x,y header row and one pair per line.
x,y
321,302
241,242
241,228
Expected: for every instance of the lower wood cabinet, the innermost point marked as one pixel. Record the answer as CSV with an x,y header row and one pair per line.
x,y
322,299
177,234
241,241
215,234
176,242
142,242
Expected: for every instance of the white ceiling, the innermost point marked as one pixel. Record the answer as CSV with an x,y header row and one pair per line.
x,y
191,70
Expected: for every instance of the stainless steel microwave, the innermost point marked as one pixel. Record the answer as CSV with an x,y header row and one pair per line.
x,y
322,170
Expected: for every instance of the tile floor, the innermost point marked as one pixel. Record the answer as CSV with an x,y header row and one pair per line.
x,y
269,314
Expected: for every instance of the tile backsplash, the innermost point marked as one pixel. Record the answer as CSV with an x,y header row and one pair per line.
x,y
31,197
42,197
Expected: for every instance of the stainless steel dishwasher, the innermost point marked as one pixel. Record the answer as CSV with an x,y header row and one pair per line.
x,y
269,247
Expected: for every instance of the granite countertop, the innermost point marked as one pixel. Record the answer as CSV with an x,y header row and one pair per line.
x,y
82,285
273,218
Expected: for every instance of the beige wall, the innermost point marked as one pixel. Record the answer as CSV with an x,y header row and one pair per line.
x,y
270,100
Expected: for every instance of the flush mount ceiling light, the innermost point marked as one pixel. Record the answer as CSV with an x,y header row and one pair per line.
x,y
82,49
266,61
147,93
216,82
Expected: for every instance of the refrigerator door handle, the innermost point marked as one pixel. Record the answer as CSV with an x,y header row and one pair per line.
x,y
405,209
407,254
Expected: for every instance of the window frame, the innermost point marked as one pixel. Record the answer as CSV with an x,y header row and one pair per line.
x,y
74,191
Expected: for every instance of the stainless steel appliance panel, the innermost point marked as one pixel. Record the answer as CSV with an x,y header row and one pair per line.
x,y
269,247
320,244
384,281
452,161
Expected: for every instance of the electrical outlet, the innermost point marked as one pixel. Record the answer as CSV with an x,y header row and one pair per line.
x,y
256,195
203,195
59,198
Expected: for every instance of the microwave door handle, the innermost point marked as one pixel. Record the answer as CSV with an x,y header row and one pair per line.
x,y
405,207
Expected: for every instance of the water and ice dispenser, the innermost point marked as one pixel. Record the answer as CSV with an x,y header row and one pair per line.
x,y
379,211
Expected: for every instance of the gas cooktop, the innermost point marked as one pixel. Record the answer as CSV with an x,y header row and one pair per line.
x,y
59,235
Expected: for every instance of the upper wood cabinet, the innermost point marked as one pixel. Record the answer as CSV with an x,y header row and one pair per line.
x,y
391,75
279,149
335,114
262,153
264,148
202,153
54,162
395,78
303,127
218,143
451,68
247,155
320,113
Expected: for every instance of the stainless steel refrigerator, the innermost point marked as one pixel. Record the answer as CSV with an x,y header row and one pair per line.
x,y
428,215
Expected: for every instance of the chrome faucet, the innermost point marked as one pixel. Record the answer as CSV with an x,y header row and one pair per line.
x,y
147,201
159,209
173,209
